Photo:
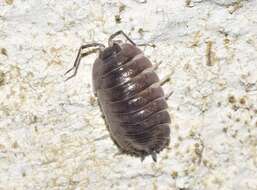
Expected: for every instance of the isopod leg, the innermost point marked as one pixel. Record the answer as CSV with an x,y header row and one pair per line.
x,y
154,156
81,54
168,95
162,82
147,44
120,32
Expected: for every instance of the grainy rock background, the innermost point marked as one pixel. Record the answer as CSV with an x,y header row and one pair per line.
x,y
51,132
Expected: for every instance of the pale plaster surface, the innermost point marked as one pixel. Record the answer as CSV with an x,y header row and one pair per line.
x,y
52,135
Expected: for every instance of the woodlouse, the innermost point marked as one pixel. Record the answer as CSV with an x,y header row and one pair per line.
x,y
130,96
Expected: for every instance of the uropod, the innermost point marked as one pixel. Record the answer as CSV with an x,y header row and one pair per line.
x,y
130,96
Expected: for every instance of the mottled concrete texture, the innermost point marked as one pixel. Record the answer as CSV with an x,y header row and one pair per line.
x,y
52,135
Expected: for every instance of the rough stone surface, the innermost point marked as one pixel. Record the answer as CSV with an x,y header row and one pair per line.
x,y
52,135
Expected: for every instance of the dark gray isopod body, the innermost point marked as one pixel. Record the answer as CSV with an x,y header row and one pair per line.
x,y
131,99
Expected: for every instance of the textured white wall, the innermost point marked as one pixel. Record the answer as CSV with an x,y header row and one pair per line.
x,y
51,132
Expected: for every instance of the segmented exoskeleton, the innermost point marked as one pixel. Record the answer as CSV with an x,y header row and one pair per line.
x,y
130,95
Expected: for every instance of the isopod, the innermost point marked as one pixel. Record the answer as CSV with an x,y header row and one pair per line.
x,y
130,96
